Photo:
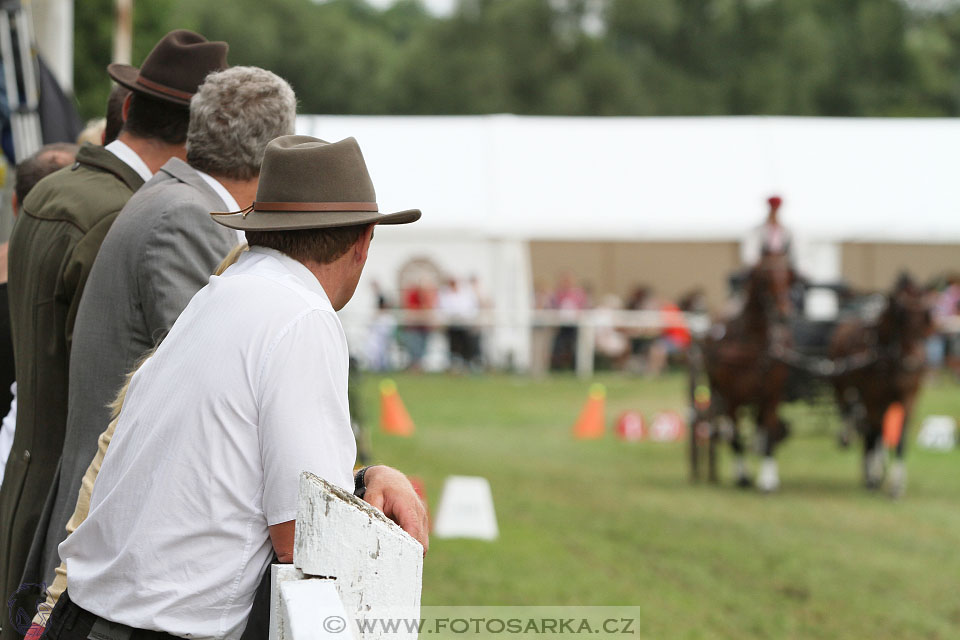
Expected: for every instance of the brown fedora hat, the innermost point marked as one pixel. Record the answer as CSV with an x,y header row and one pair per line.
x,y
306,183
175,68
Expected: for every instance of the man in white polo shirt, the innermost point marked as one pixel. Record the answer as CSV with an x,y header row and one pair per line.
x,y
248,390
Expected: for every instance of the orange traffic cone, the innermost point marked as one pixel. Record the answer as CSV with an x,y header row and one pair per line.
x,y
893,425
394,418
590,423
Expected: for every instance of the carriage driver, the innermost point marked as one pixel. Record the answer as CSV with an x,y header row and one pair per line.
x,y
771,237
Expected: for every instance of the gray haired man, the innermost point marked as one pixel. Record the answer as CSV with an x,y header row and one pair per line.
x,y
159,252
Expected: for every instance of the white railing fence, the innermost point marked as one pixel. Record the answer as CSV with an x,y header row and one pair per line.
x,y
508,337
349,563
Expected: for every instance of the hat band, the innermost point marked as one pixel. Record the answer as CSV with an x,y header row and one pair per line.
x,y
315,206
156,86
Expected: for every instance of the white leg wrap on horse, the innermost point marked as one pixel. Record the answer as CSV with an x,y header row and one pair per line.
x,y
740,467
760,442
876,463
769,477
898,479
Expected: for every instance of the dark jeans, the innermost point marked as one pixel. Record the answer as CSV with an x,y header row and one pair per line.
x,y
70,622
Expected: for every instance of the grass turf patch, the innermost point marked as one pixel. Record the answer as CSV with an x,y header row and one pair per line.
x,y
611,523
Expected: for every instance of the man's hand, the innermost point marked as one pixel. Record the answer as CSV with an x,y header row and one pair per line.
x,y
391,492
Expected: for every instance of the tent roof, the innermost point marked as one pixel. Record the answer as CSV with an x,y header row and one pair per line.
x,y
662,178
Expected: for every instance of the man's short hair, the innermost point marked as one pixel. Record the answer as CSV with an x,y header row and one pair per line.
x,y
321,245
233,116
157,119
45,161
118,94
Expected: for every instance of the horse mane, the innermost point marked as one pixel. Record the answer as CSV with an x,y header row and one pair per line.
x,y
906,298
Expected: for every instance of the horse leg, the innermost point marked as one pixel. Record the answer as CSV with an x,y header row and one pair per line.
x,y
741,473
701,418
874,456
712,441
851,413
694,454
768,423
898,472
718,409
695,419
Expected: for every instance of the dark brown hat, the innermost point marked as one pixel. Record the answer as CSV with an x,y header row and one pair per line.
x,y
306,183
175,67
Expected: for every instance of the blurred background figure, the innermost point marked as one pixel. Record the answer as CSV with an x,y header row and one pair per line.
x,y
570,299
419,298
673,340
541,337
103,131
613,347
942,346
641,299
769,237
381,334
93,132
460,308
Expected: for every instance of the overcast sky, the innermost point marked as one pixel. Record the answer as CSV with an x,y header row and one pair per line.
x,y
438,7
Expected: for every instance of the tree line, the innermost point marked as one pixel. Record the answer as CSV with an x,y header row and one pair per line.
x,y
569,57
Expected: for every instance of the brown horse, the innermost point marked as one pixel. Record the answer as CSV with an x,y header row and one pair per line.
x,y
885,363
740,363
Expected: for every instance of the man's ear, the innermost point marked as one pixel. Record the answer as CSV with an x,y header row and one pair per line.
x,y
126,106
15,204
362,247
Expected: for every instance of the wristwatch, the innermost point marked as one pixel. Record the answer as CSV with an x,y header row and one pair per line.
x,y
359,488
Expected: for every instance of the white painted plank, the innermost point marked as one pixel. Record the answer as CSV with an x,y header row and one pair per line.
x,y
377,565
311,610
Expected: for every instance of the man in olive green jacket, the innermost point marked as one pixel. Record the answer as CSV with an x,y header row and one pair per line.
x,y
52,249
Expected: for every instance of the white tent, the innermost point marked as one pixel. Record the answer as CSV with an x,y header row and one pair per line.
x,y
489,184
677,178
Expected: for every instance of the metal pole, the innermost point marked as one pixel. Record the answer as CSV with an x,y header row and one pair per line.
x,y
586,337
123,34
30,117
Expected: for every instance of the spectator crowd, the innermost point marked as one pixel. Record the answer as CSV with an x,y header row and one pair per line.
x,y
170,343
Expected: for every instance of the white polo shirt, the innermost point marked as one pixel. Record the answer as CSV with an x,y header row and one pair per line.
x,y
248,389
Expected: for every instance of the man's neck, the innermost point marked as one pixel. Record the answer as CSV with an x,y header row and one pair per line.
x,y
334,278
153,152
243,191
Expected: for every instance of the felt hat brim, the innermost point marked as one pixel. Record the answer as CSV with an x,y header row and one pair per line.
x,y
127,76
288,220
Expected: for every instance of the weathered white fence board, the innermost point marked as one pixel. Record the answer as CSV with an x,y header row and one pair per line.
x,y
376,566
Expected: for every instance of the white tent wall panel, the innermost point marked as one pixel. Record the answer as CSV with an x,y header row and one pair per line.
x,y
666,178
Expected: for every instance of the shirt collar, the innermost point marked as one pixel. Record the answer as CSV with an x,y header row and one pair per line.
x,y
130,158
228,200
295,267
220,189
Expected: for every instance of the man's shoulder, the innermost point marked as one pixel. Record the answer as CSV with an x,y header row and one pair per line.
x,y
167,202
80,195
274,284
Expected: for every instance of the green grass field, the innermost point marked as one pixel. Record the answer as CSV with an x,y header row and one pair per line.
x,y
612,523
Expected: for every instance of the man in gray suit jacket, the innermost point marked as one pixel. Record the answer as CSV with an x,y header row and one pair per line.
x,y
161,250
